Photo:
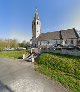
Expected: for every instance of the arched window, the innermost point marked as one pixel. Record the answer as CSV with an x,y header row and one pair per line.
x,y
71,41
40,42
66,42
37,22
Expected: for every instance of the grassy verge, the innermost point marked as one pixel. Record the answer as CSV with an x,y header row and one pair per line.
x,y
13,55
65,69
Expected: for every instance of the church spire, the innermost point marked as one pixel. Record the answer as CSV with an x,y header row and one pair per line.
x,y
36,11
36,14
36,26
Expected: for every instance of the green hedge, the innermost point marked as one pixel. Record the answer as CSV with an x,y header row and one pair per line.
x,y
65,69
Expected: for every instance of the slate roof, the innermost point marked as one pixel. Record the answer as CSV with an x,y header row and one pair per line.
x,y
69,34
49,36
63,34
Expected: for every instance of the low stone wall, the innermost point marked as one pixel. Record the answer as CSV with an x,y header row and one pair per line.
x,y
63,51
68,52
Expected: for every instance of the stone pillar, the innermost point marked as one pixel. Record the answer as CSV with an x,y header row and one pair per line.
x,y
24,56
32,59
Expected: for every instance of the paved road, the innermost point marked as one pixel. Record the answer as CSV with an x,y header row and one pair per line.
x,y
21,77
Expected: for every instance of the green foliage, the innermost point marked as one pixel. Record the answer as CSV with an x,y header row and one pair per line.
x,y
65,69
24,44
9,43
14,54
1,49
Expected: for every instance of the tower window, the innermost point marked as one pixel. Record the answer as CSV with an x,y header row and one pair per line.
x,y
37,23
34,23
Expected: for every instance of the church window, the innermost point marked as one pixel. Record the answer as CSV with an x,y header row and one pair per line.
x,y
71,41
79,42
56,41
48,42
35,45
66,42
37,23
40,43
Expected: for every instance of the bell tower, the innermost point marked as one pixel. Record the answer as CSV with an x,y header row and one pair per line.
x,y
36,26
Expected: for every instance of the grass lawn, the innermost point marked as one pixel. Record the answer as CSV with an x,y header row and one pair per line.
x,y
65,69
13,55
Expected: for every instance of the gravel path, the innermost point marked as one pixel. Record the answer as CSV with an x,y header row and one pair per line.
x,y
21,77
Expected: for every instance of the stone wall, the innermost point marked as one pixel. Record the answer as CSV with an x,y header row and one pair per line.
x,y
63,51
49,43
67,52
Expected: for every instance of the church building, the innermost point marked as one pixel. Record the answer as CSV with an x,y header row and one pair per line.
x,y
67,37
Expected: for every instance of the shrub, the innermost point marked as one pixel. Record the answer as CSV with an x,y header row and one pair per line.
x,y
1,49
65,69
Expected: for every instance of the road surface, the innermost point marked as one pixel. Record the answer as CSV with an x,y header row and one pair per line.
x,y
21,77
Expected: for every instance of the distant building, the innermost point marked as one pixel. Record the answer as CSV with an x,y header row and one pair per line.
x,y
67,37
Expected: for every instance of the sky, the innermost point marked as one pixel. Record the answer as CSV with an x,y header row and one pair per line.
x,y
16,17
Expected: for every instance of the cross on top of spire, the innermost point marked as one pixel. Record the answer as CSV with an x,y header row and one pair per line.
x,y
36,11
36,14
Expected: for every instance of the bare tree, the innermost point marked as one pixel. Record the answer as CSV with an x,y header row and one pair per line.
x,y
9,43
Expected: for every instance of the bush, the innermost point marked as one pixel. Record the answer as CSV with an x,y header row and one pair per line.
x,y
1,49
65,69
